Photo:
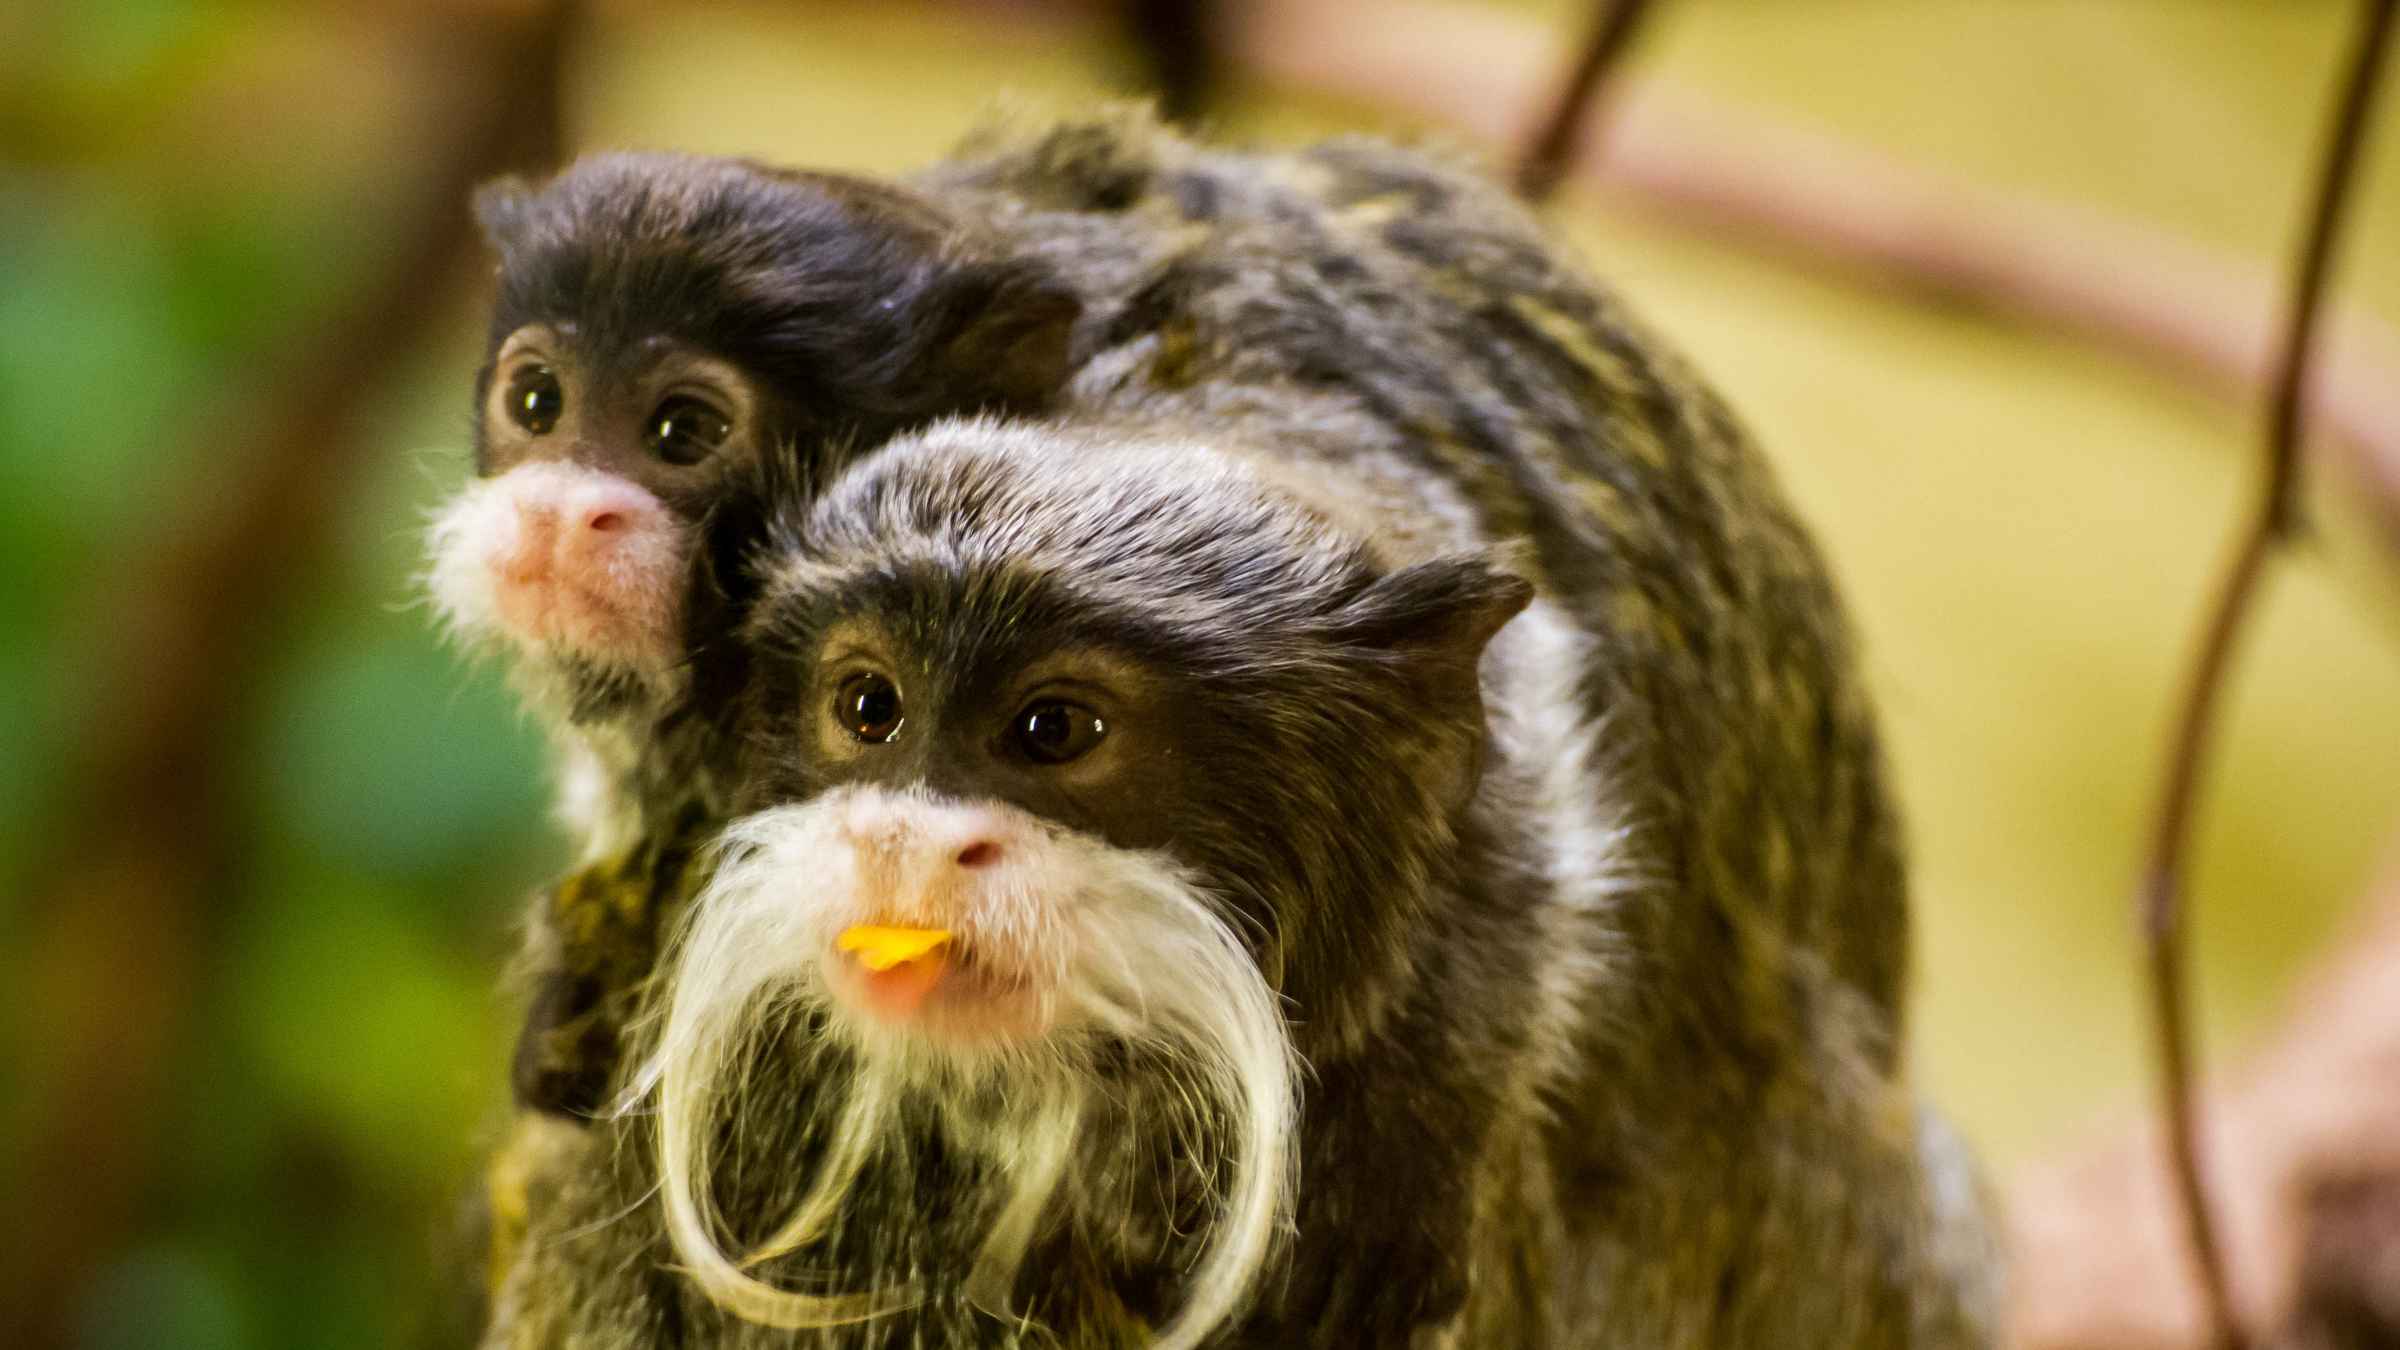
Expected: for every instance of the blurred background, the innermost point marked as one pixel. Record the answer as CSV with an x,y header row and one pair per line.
x,y
272,837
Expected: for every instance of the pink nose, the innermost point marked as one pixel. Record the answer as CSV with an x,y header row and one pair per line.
x,y
585,559
580,523
970,837
605,506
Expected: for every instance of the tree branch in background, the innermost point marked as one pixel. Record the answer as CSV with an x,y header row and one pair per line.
x,y
127,902
1177,40
2308,1134
1718,173
2159,904
1566,127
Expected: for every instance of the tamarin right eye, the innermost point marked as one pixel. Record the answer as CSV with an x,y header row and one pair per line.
x,y
535,400
1053,733
685,430
868,707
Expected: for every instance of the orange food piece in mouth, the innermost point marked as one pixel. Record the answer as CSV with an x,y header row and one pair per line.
x,y
880,949
902,966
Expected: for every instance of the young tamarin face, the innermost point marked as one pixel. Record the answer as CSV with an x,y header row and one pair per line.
x,y
664,323
1070,765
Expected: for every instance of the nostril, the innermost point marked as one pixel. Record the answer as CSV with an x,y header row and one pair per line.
x,y
604,521
981,853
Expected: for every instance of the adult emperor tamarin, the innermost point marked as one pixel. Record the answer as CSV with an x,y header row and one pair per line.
x,y
1358,829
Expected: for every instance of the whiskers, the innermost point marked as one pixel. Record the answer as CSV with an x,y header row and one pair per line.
x,y
891,1172
455,580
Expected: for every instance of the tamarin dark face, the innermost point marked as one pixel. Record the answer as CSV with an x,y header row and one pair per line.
x,y
664,326
1071,765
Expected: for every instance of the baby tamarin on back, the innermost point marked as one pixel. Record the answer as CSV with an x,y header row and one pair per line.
x,y
666,328
1210,726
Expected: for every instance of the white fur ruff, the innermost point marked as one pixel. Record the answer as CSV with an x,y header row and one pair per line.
x,y
617,603
1093,946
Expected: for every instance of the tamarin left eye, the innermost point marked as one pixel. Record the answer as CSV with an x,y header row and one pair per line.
x,y
685,431
535,400
1053,733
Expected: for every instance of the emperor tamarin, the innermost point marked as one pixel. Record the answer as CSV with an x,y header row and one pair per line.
x,y
1361,829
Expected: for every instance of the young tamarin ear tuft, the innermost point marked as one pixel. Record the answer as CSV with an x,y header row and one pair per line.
x,y
501,207
719,586
1013,339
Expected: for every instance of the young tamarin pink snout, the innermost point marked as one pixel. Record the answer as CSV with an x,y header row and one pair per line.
x,y
571,560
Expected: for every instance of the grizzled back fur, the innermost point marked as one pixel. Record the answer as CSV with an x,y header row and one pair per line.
x,y
1415,327
1688,766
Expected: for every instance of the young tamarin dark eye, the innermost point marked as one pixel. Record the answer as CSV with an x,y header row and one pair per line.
x,y
1053,733
868,707
685,430
535,400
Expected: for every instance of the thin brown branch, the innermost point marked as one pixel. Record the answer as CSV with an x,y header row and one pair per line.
x,y
2098,1255
2161,899
1567,126
139,869
1177,42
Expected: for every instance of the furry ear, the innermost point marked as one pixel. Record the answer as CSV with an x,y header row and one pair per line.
x,y
501,208
1446,609
1427,625
1431,621
1013,340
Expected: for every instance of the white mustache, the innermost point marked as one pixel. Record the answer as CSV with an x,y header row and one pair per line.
x,y
1122,948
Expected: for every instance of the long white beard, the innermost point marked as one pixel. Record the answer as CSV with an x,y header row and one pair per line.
x,y
1119,956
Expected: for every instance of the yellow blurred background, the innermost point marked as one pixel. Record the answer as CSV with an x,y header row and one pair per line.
x,y
2024,523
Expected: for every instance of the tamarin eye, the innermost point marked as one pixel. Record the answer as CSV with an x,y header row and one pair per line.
x,y
1053,733
535,400
868,707
685,431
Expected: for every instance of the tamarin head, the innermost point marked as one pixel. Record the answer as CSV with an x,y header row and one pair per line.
x,y
1071,764
664,322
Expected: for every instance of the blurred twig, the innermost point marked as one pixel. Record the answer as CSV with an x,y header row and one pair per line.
x,y
2161,895
136,875
2312,1116
1566,126
1177,41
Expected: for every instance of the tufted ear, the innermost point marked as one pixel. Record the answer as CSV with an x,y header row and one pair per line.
x,y
1425,626
1012,346
501,208
1447,608
1432,620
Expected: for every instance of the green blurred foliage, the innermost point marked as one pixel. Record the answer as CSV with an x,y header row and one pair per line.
x,y
346,1049
185,188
